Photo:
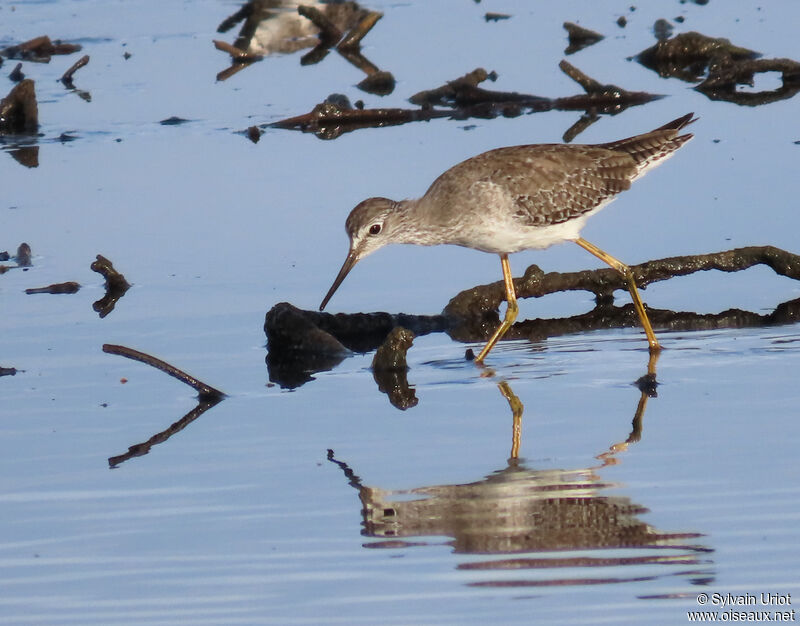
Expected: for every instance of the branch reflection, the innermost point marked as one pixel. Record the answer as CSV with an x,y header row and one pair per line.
x,y
140,449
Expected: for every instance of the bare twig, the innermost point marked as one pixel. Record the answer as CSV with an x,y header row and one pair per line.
x,y
68,287
205,391
588,83
67,77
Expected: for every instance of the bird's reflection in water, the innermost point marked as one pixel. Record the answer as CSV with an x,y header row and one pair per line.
x,y
562,526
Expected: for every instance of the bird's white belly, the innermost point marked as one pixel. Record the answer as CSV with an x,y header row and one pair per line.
x,y
500,230
508,235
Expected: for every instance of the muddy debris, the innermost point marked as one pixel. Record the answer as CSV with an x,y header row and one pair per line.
x,y
174,120
394,383
291,329
56,288
254,134
16,74
380,83
722,66
389,368
462,98
725,76
114,280
472,315
580,37
391,354
27,156
301,342
116,285
66,79
19,111
687,56
23,256
292,369
459,92
333,117
39,49
298,346
662,29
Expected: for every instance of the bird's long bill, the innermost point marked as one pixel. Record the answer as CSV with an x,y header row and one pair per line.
x,y
349,262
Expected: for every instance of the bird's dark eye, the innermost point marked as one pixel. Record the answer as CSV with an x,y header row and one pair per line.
x,y
374,229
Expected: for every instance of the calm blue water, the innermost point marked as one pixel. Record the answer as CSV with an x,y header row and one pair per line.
x,y
417,516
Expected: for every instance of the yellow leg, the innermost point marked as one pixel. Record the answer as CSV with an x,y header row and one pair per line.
x,y
628,276
511,311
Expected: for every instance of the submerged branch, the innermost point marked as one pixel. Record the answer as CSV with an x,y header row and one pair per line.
x,y
692,56
66,79
603,282
68,287
303,342
463,98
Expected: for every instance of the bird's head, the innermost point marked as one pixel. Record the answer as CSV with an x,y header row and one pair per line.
x,y
369,227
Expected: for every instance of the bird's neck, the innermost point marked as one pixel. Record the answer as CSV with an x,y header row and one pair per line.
x,y
409,224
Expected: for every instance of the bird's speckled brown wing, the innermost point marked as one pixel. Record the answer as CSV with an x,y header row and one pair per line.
x,y
553,183
550,184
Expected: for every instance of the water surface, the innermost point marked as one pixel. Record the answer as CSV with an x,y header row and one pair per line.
x,y
615,510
